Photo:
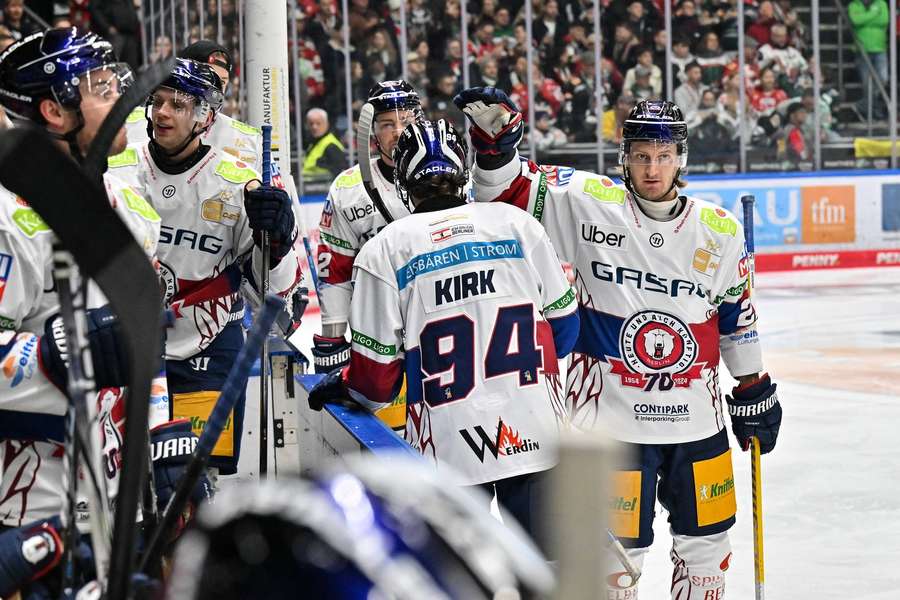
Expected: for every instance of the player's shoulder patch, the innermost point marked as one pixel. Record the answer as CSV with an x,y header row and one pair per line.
x,y
136,116
603,189
27,220
235,171
126,158
136,204
557,176
352,177
245,127
718,220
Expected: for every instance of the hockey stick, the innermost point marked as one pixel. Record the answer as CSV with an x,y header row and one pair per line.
x,y
264,290
134,96
755,467
363,144
120,268
616,546
231,389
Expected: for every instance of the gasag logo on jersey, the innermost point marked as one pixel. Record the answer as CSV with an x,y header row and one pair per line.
x,y
705,262
327,213
21,361
659,351
445,233
504,442
557,176
185,237
605,236
358,212
6,262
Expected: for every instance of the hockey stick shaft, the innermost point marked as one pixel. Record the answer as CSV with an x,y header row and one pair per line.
x,y
231,390
755,463
264,289
616,546
363,135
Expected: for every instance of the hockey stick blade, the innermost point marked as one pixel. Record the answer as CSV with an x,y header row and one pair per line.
x,y
134,96
75,207
363,133
231,389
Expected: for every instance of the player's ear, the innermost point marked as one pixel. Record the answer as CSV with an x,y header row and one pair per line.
x,y
52,113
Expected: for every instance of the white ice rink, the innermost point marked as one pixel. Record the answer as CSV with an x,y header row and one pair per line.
x,y
831,488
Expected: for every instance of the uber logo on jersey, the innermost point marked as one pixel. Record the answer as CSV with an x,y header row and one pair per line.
x,y
168,191
603,235
358,212
656,240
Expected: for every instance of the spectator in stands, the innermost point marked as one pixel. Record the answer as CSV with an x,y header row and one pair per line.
x,y
681,57
549,28
362,19
16,21
162,49
870,19
708,138
659,51
797,146
416,75
614,118
117,21
785,13
786,61
654,74
576,117
642,88
419,19
707,108
688,94
489,74
712,58
6,38
767,95
759,30
361,82
484,40
454,57
727,116
641,23
751,67
503,26
546,134
324,153
382,46
623,50
685,21
441,100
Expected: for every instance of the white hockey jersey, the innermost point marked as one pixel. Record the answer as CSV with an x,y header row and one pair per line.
x,y
32,409
471,302
205,243
659,302
349,219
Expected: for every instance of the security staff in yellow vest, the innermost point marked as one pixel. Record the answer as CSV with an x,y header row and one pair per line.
x,y
325,153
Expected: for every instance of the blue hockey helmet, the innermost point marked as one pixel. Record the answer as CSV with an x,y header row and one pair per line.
x,y
387,96
655,121
56,65
199,81
428,155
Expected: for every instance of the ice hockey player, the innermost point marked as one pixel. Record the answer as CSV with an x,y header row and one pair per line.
x,y
470,301
662,282
241,140
350,218
65,81
210,241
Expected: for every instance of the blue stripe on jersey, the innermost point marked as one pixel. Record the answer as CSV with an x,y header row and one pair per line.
x,y
728,316
15,425
599,334
413,368
565,333
456,255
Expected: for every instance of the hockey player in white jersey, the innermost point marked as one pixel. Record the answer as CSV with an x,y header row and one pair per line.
x,y
471,303
210,242
65,81
662,282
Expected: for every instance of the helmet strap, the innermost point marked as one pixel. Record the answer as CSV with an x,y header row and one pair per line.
x,y
71,137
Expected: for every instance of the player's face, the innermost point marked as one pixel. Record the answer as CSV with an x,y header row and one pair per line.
x,y
172,117
222,72
388,127
652,167
99,91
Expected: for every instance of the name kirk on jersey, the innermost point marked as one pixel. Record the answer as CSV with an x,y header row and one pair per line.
x,y
464,285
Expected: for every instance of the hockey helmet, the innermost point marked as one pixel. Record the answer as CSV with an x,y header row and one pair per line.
x,y
655,121
198,81
429,153
386,96
57,64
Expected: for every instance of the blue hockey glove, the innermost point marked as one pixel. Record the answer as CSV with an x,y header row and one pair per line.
x,y
171,448
269,209
755,412
108,354
330,353
497,123
330,389
28,553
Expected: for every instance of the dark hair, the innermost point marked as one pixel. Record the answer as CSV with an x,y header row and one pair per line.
x,y
436,187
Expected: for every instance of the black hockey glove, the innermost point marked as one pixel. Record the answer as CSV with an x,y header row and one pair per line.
x,y
330,389
330,353
108,353
28,553
172,445
269,209
755,412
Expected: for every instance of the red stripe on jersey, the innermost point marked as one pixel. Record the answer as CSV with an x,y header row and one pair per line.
x,y
707,336
374,380
340,268
517,193
548,347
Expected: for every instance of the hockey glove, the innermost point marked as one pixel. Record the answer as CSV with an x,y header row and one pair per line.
x,y
269,209
108,354
497,123
172,446
755,412
329,389
330,353
28,553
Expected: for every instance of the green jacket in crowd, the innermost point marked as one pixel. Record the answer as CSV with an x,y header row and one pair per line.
x,y
870,20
